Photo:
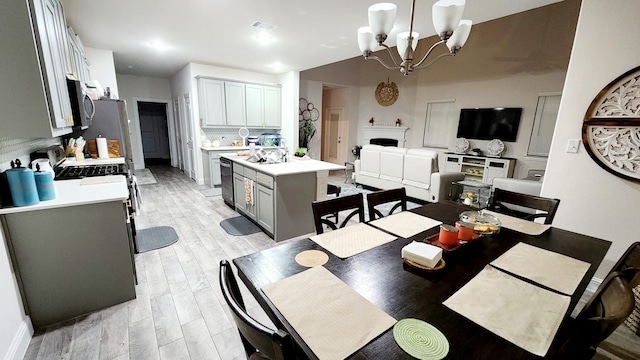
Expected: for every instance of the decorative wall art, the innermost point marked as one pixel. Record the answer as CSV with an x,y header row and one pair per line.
x,y
308,114
387,93
611,127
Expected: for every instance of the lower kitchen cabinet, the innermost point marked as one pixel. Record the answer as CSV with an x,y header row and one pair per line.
x,y
211,167
70,261
248,208
265,212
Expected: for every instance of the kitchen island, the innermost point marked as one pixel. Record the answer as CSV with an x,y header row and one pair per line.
x,y
278,197
72,255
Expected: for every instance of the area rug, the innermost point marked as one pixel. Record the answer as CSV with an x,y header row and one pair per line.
x,y
211,192
239,226
155,238
145,177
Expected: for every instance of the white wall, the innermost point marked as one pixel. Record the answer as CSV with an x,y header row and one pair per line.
x,y
103,69
593,201
290,94
142,88
15,326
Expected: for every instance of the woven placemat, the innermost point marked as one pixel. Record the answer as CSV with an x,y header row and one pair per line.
x,y
420,339
311,258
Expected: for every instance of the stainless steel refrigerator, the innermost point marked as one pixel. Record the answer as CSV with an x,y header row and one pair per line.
x,y
112,122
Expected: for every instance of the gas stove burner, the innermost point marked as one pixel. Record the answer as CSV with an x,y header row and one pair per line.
x,y
82,171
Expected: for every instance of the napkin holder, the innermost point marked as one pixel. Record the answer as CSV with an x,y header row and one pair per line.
x,y
422,253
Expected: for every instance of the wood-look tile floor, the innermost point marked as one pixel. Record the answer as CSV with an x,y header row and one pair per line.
x,y
179,312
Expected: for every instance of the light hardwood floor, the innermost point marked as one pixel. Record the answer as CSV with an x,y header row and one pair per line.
x,y
179,312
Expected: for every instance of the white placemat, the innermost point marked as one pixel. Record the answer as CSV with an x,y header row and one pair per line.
x,y
405,224
553,270
524,314
520,225
332,319
352,239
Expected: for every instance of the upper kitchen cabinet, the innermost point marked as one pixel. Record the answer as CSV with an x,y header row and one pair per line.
x,y
212,104
79,63
263,106
235,104
35,100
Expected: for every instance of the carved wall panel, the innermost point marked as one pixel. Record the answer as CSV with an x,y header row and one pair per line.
x,y
611,128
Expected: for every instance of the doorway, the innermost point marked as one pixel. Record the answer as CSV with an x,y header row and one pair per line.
x,y
334,135
154,133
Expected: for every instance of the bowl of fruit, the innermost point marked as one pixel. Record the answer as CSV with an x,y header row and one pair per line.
x,y
483,223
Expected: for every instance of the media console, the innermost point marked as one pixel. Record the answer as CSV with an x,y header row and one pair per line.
x,y
480,168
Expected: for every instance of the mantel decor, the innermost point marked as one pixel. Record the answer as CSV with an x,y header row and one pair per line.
x,y
387,93
611,127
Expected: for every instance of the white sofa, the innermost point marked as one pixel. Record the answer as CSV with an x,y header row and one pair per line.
x,y
414,169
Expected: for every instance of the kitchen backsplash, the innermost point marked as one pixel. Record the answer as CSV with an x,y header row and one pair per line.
x,y
11,149
230,135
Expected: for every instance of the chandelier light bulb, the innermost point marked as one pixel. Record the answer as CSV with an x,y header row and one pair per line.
x,y
366,39
402,42
460,36
446,16
381,18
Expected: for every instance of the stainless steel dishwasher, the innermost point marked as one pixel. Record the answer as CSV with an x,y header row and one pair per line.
x,y
226,180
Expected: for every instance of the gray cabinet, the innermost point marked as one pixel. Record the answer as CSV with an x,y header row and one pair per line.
x,y
265,212
39,107
211,167
235,104
248,208
71,261
79,63
212,105
234,97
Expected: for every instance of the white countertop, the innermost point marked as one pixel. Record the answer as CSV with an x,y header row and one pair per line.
x,y
73,193
233,148
295,166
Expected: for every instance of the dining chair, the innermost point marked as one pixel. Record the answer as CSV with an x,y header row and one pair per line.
x,y
518,205
609,306
259,341
333,190
355,203
629,264
376,198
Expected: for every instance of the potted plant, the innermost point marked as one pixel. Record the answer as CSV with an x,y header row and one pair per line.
x,y
307,130
300,152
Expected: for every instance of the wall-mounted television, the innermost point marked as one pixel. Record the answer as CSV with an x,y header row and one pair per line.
x,y
489,123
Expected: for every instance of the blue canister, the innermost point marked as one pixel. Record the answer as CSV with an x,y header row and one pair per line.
x,y
22,185
44,185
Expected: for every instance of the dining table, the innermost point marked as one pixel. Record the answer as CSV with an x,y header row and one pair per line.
x,y
404,292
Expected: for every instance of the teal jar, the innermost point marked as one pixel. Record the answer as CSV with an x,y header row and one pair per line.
x,y
22,184
44,185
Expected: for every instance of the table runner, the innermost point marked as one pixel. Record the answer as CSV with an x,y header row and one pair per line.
x,y
352,239
333,319
553,270
524,314
405,224
520,225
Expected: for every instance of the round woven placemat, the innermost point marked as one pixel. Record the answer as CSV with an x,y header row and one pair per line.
x,y
311,258
420,339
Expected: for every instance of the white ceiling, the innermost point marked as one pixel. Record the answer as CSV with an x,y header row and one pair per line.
x,y
218,32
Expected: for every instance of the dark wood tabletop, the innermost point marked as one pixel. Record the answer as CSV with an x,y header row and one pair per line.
x,y
381,276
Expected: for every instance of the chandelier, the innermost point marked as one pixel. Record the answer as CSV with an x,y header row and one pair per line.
x,y
447,14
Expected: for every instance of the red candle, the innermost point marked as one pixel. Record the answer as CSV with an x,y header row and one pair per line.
x,y
448,235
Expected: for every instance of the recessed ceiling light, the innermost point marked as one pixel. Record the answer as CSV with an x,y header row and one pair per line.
x,y
277,66
264,38
158,45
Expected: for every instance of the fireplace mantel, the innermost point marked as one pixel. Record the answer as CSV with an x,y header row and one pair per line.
x,y
387,132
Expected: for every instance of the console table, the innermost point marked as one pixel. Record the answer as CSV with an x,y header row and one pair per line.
x,y
480,168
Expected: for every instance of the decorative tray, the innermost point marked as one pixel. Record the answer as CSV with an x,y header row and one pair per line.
x,y
433,240
439,266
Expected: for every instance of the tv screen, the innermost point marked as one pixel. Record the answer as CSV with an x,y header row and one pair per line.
x,y
489,124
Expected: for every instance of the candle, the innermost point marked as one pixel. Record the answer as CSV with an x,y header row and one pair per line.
x,y
448,235
465,230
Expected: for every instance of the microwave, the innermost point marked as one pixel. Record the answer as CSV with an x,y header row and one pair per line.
x,y
82,106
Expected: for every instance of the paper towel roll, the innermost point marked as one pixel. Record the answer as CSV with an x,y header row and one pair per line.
x,y
103,151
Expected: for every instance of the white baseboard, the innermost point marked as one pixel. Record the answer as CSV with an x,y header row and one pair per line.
x,y
21,341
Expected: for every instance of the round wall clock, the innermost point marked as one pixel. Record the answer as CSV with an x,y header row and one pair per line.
x,y
611,127
386,93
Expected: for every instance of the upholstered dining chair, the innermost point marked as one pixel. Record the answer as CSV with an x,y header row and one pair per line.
x,y
399,196
629,264
259,341
355,203
519,205
609,306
